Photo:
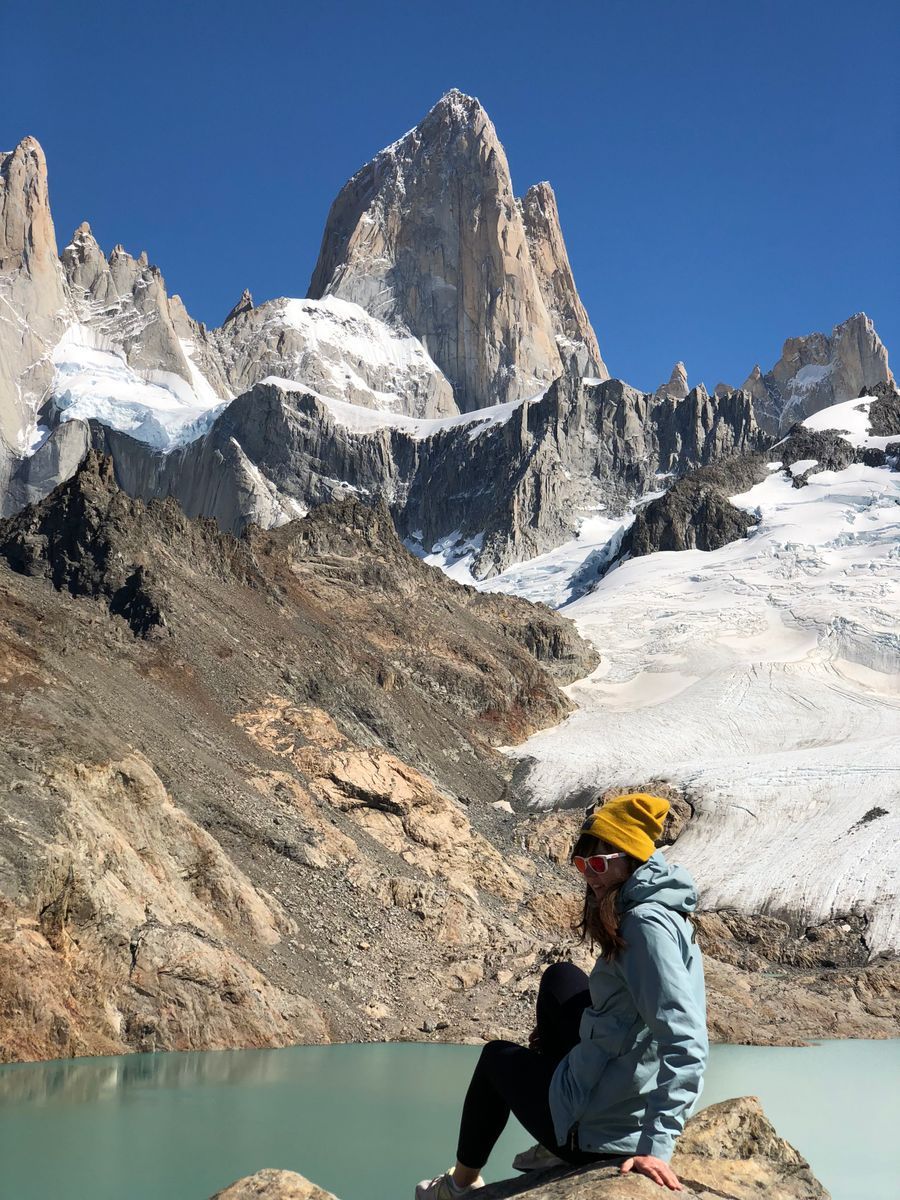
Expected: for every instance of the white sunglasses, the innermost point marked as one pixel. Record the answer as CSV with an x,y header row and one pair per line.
x,y
598,863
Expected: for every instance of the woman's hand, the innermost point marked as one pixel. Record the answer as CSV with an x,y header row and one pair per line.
x,y
534,1041
654,1168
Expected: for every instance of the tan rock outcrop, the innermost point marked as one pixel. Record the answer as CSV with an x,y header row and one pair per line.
x,y
304,843
144,913
392,802
273,1185
429,236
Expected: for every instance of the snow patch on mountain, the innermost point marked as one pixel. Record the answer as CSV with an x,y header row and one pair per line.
x,y
554,578
763,677
92,381
851,420
350,341
368,420
809,377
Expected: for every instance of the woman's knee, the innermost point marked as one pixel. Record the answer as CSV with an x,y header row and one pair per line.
x,y
563,979
492,1052
493,1062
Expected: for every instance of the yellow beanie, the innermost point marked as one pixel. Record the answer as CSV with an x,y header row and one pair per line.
x,y
632,823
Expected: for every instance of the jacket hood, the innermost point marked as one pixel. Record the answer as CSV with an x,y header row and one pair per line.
x,y
662,883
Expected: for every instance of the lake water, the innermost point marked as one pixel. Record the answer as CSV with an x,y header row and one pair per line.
x,y
367,1122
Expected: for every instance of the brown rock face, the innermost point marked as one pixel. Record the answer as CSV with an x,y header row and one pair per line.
x,y
202,826
575,338
429,236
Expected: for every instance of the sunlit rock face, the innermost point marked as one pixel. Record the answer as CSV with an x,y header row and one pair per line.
x,y
32,296
575,337
430,236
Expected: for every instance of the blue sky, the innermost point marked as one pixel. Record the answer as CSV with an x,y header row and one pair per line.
x,y
727,173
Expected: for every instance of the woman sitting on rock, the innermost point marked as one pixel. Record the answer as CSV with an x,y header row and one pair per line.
x,y
616,1061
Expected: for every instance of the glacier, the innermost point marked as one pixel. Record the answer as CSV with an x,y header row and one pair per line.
x,y
93,381
763,679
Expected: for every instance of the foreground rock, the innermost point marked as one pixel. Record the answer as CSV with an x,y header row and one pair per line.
x,y
729,1151
273,1185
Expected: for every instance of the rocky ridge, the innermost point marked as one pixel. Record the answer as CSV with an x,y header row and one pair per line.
x,y
817,371
279,449
113,326
695,512
179,770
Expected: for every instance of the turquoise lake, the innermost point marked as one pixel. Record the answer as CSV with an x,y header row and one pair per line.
x,y
368,1121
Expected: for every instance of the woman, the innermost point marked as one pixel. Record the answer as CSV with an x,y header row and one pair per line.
x,y
616,1061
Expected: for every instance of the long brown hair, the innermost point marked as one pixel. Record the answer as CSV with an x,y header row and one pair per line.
x,y
599,923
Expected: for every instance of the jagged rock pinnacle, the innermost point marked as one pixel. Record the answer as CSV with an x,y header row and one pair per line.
x,y
575,337
677,387
32,286
245,304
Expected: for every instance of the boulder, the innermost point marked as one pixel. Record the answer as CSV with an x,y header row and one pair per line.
x,y
273,1185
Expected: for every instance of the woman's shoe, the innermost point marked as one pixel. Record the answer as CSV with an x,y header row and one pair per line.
x,y
443,1188
537,1158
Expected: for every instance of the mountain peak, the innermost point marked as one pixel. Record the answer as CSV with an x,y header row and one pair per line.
x,y
33,284
575,337
459,104
818,370
245,304
429,237
677,386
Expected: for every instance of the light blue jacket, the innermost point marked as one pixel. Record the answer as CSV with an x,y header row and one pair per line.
x,y
631,1081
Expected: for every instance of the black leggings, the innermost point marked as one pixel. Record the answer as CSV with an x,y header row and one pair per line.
x,y
512,1079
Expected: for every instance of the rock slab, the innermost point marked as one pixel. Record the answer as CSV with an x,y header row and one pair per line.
x,y
729,1151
